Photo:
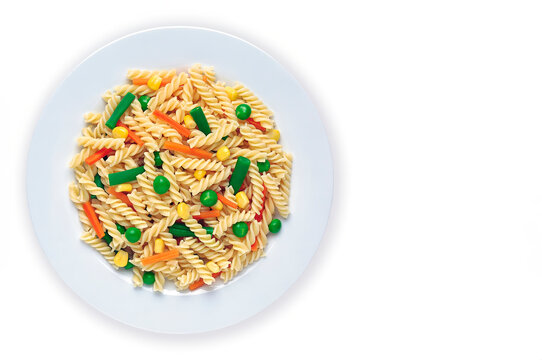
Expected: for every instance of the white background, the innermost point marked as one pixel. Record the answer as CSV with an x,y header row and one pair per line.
x,y
433,250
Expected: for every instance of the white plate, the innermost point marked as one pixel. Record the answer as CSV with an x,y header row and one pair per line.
x,y
56,223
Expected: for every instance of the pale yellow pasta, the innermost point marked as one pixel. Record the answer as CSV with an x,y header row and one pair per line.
x,y
204,256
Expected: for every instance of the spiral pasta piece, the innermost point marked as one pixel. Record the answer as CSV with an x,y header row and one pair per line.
x,y
227,221
196,263
209,180
164,93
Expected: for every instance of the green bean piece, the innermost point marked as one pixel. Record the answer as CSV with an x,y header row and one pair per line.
x,y
239,173
123,105
122,177
199,117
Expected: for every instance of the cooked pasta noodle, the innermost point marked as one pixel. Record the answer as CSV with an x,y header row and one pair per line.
x,y
168,195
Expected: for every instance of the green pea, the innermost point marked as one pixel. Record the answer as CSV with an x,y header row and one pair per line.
x,y
240,229
275,225
98,181
121,228
133,234
263,166
144,101
243,111
157,159
107,238
161,184
208,198
148,277
129,265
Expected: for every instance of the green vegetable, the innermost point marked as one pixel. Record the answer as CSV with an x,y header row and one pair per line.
x,y
161,184
263,166
208,198
148,277
201,120
129,265
121,228
133,234
122,177
181,230
144,101
98,181
107,238
123,105
243,111
275,225
157,159
240,229
225,137
239,173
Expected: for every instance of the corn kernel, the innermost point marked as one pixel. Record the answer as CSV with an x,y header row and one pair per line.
x,y
183,210
154,82
199,174
158,246
124,188
242,199
232,94
189,122
218,206
223,153
120,133
121,258
274,134
212,267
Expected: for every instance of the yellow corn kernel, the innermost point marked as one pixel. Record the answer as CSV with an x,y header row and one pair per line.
x,y
232,94
189,122
124,188
223,153
274,134
212,267
183,210
158,246
199,174
242,199
121,258
218,206
154,82
120,133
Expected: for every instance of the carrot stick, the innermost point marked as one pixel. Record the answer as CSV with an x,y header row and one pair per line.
x,y
143,81
98,155
199,283
166,255
180,129
256,124
121,196
91,215
207,214
225,201
187,150
254,247
132,135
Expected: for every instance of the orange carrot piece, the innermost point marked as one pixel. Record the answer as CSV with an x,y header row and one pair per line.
x,y
207,214
98,155
187,150
166,255
256,124
225,201
199,283
132,135
143,81
121,196
254,247
180,129
91,215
